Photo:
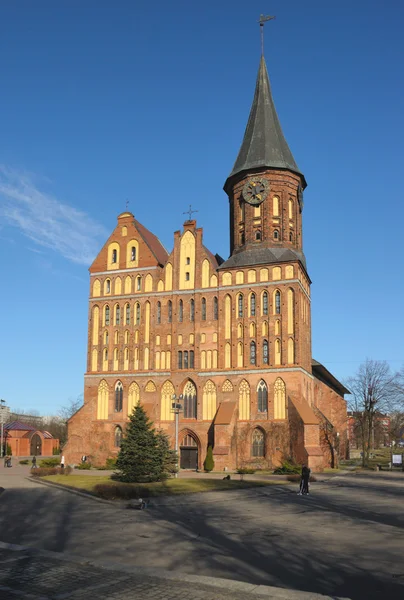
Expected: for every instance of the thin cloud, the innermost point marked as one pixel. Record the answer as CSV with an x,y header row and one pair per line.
x,y
46,221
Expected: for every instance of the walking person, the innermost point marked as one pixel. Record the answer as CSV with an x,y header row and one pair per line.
x,y
304,481
62,462
34,462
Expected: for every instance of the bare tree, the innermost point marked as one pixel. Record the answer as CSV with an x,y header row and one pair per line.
x,y
71,407
397,426
375,391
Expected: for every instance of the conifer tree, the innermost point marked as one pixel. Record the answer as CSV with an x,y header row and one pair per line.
x,y
140,458
170,457
209,463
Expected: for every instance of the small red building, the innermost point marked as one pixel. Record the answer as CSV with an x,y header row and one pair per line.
x,y
25,440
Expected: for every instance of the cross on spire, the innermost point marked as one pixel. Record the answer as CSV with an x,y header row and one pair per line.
x,y
190,212
262,20
127,204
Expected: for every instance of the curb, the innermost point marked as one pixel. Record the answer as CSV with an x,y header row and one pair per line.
x,y
215,582
74,491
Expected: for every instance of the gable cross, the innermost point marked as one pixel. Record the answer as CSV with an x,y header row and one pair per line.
x,y
190,212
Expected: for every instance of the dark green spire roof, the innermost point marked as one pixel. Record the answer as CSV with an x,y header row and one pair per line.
x,y
264,144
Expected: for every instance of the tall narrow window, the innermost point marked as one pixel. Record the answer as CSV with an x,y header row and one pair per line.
x,y
258,444
215,309
127,315
262,396
180,311
277,302
252,305
118,396
114,256
108,286
253,353
189,401
117,315
240,305
180,359
192,310
191,359
158,312
265,352
290,236
118,437
186,359
133,253
107,321
170,311
138,283
258,236
137,313
276,234
265,303
242,238
203,309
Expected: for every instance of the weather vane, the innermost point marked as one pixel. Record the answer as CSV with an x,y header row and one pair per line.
x,y
262,20
127,204
190,212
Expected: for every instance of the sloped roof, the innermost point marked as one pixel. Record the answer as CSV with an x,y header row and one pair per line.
x,y
225,413
19,426
260,256
153,242
305,411
328,378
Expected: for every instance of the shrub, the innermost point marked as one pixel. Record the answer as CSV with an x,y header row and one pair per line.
x,y
209,463
9,452
56,451
288,468
246,471
24,462
44,471
110,463
296,478
84,466
120,491
49,462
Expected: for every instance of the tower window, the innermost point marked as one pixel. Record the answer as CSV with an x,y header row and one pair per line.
x,y
138,314
215,309
290,236
186,359
252,305
127,315
118,396
258,236
265,303
262,396
117,315
265,352
107,315
170,311
277,302
114,256
240,306
242,238
188,260
276,234
191,359
108,286
253,354
180,311
138,283
158,312
187,276
203,309
192,310
133,253
180,359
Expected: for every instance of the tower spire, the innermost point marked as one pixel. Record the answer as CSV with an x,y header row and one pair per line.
x,y
262,20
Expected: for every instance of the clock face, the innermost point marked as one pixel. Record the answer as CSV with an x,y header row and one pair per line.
x,y
256,190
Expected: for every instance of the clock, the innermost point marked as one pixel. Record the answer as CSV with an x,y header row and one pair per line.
x,y
256,190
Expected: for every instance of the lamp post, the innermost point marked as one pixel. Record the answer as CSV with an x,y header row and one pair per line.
x,y
176,408
2,415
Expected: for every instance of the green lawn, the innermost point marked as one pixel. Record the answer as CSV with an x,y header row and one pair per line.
x,y
114,489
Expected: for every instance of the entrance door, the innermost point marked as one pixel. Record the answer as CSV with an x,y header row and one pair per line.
x,y
189,458
36,445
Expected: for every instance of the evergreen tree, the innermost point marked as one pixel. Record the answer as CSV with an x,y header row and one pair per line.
x,y
170,457
141,458
209,463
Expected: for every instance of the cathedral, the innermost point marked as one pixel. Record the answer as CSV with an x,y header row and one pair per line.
x,y
227,340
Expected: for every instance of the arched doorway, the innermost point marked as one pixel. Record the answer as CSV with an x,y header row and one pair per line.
x,y
189,452
36,445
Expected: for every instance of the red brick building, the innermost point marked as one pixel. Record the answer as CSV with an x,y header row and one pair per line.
x,y
233,337
26,440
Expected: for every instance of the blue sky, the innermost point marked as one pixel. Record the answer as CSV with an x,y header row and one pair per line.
x,y
99,97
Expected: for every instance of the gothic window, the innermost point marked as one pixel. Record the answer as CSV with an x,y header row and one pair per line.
x,y
227,386
253,352
170,311
203,310
215,308
118,396
265,303
107,321
191,359
258,444
186,359
127,314
108,286
265,352
262,396
158,312
189,401
114,256
189,441
192,310
258,236
252,305
180,311
240,305
276,234
279,399
118,437
180,359
133,253
138,283
137,309
117,314
277,302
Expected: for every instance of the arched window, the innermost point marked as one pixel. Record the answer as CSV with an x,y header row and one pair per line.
x,y
138,283
253,353
133,253
118,437
258,236
137,311
258,443
158,312
117,315
276,234
262,396
114,256
265,303
265,352
215,308
240,305
277,302
192,310
127,314
180,359
290,236
108,286
252,305
203,309
189,401
180,311
118,396
107,319
170,311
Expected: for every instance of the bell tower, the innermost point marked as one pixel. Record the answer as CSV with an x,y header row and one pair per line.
x,y
265,187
